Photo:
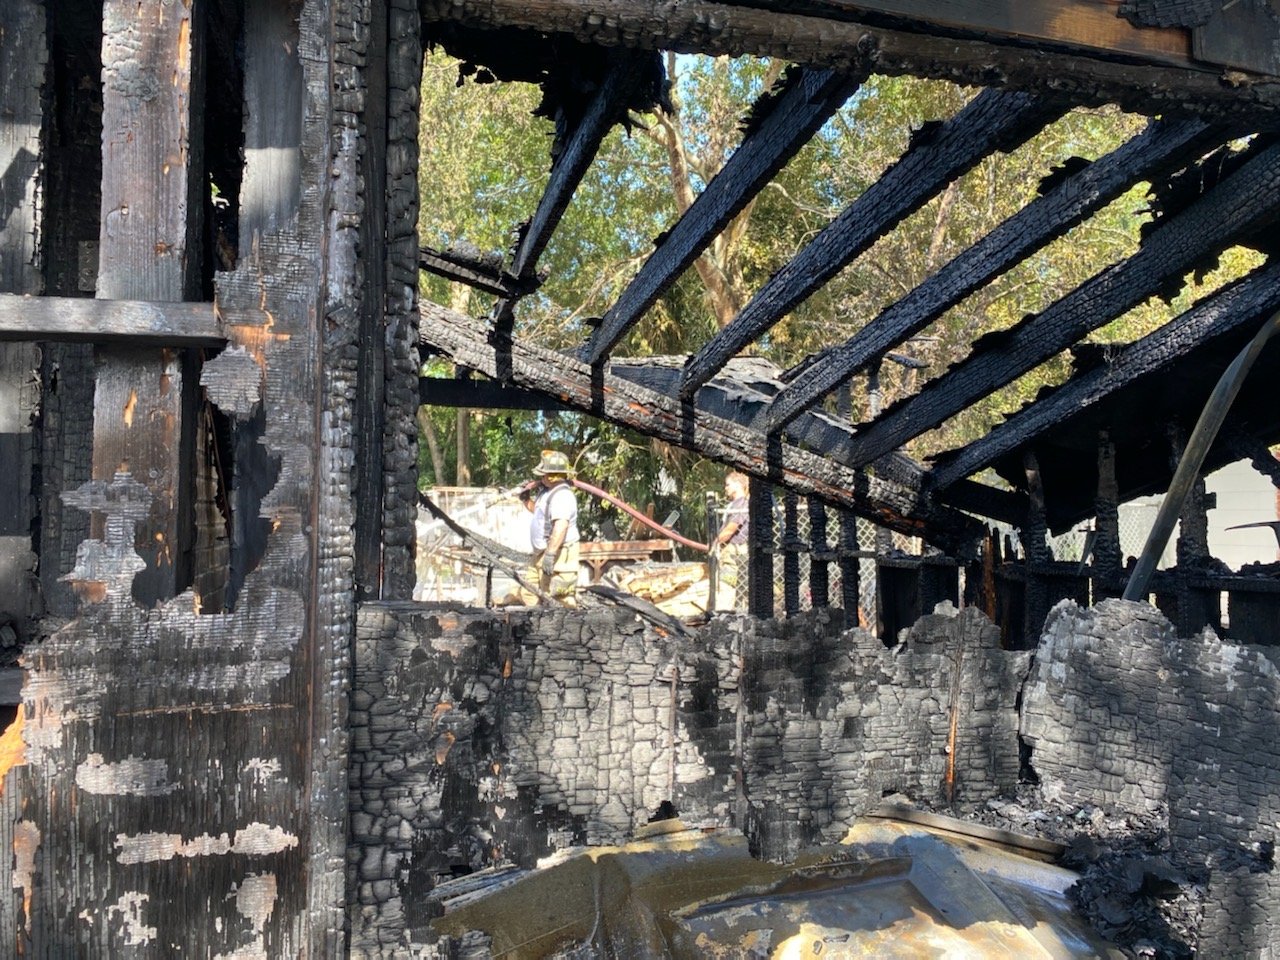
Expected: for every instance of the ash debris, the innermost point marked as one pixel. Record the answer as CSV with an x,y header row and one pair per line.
x,y
1131,888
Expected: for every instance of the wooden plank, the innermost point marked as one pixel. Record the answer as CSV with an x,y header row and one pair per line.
x,y
1091,24
474,271
472,344
139,322
992,121
1160,148
23,60
1247,201
1150,84
148,250
1241,35
1236,307
808,100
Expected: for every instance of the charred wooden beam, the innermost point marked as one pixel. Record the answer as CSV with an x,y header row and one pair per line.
x,y
1161,148
487,394
703,26
992,121
1246,202
569,168
107,321
474,270
1234,308
473,344
745,398
808,100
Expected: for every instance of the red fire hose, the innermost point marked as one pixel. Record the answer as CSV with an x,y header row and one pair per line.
x,y
667,532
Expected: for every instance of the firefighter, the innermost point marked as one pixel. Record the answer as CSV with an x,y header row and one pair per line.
x,y
554,528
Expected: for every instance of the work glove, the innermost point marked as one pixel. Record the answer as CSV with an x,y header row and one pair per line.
x,y
548,565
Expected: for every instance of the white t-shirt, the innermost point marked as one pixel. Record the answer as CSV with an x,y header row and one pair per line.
x,y
558,503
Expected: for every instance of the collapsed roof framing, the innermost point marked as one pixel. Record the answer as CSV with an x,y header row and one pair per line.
x,y
1205,88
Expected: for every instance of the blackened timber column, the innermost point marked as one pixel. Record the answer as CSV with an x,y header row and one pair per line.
x,y
760,549
23,58
148,250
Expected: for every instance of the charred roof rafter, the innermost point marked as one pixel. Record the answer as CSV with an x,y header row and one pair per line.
x,y
1234,308
1243,204
796,112
1163,146
992,121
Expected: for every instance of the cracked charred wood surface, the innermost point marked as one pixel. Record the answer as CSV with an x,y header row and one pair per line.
x,y
1162,147
371,377
400,441
1108,556
24,57
144,403
173,743
993,121
1246,202
473,344
695,26
801,109
1235,308
746,400
606,109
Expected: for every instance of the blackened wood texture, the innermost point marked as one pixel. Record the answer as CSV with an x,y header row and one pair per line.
x,y
69,236
992,121
809,99
732,29
194,765
605,110
1247,201
371,375
473,344
760,549
400,435
138,322
1162,147
148,250
1234,308
24,57
743,396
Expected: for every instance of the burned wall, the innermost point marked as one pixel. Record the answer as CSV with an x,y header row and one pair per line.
x,y
480,737
1120,711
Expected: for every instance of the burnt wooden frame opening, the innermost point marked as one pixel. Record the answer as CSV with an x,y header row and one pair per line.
x,y
785,433
219,726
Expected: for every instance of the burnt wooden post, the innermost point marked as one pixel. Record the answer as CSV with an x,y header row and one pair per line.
x,y
850,569
820,555
760,549
23,59
1189,607
191,768
1108,564
69,233
1035,551
400,430
144,404
792,546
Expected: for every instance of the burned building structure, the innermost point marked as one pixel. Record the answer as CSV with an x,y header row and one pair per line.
x,y
239,737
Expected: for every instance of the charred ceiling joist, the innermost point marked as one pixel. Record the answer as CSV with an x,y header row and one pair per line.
x,y
1163,146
